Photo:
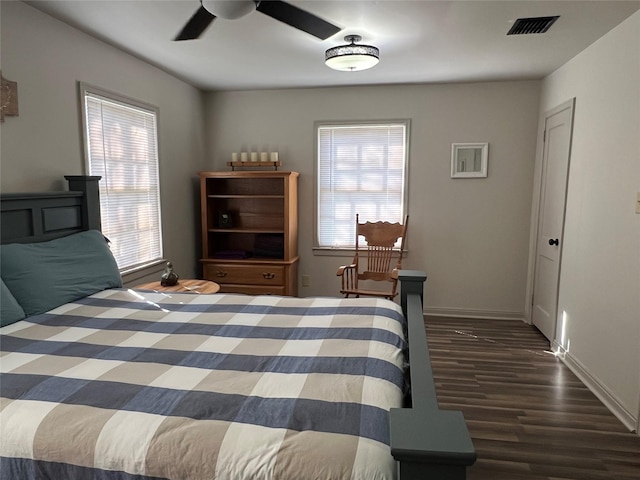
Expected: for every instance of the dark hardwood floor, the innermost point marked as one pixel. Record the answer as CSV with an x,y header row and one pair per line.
x,y
529,416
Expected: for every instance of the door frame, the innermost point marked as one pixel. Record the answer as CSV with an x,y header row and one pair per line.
x,y
538,176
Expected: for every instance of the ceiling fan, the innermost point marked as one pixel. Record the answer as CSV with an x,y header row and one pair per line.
x,y
232,9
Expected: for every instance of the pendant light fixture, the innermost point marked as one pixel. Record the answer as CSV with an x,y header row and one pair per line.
x,y
352,57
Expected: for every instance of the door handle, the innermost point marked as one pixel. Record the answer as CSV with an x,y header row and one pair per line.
x,y
554,241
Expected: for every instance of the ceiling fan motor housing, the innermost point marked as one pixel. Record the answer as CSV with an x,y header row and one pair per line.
x,y
230,9
279,10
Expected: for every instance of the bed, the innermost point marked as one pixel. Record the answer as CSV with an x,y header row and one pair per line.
x,y
100,381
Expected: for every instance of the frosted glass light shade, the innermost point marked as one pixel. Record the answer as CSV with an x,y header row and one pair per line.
x,y
352,57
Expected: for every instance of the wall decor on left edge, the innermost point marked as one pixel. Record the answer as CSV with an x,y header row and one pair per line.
x,y
8,98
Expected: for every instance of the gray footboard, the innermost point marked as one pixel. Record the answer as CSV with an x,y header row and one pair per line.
x,y
428,443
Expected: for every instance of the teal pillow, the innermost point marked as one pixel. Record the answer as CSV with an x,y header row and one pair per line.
x,y
10,309
43,276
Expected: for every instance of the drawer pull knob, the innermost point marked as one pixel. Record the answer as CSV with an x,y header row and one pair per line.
x,y
268,275
221,274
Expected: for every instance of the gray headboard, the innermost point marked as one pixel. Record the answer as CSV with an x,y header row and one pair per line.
x,y
38,217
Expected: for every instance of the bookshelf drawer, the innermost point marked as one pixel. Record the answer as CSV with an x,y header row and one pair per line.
x,y
245,274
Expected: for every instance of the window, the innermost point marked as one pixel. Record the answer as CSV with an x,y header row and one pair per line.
x,y
122,147
361,168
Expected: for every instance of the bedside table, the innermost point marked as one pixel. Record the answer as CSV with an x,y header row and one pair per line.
x,y
184,286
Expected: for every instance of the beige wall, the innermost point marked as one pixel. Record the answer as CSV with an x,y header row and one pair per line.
x,y
600,280
469,235
47,58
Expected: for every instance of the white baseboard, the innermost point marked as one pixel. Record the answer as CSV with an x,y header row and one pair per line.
x,y
598,389
465,313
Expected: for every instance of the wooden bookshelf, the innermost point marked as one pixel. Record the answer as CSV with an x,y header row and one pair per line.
x,y
250,231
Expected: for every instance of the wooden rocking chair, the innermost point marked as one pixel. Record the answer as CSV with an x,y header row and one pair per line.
x,y
375,263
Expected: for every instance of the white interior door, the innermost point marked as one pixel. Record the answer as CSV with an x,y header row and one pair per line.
x,y
553,193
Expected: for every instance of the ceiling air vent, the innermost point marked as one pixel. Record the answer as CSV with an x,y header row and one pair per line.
x,y
526,26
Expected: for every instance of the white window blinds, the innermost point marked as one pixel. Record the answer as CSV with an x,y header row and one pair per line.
x,y
122,148
360,169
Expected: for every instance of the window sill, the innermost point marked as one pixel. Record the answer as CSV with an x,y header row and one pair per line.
x,y
342,252
333,252
135,274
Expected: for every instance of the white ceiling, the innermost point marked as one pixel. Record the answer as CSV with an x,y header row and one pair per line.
x,y
420,41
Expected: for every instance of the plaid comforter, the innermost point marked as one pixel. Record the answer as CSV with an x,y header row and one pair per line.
x,y
137,385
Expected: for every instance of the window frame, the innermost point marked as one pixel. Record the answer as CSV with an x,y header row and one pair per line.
x,y
349,250
86,88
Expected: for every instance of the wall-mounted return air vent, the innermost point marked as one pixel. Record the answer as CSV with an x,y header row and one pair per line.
x,y
526,26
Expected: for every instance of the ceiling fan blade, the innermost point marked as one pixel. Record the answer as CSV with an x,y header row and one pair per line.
x,y
197,24
298,18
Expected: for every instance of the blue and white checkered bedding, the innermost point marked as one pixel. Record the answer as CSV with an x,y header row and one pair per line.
x,y
137,385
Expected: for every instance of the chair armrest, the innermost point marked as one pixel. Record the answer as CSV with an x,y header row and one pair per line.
x,y
342,269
